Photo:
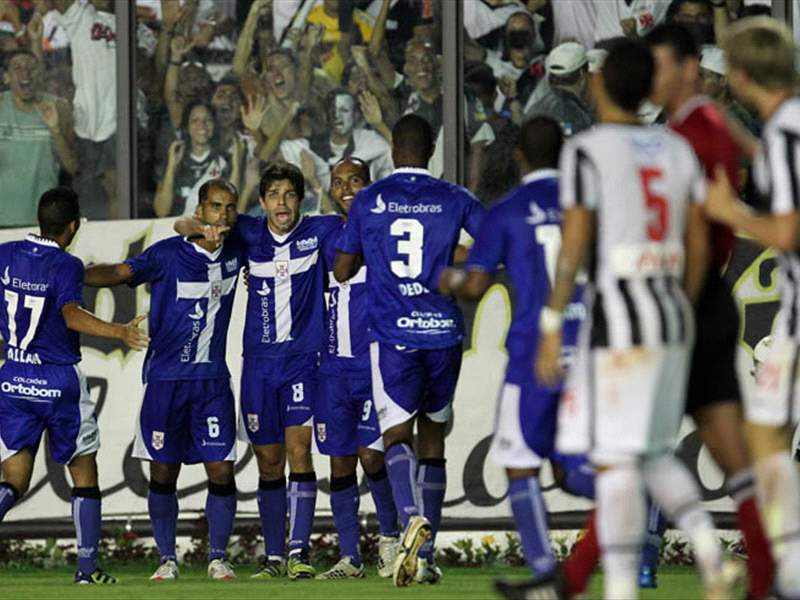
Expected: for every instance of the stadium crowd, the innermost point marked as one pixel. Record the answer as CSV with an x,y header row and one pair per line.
x,y
222,87
282,108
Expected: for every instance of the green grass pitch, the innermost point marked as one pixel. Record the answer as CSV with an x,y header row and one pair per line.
x,y
458,583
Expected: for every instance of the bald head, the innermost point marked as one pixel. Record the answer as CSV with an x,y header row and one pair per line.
x,y
412,142
348,176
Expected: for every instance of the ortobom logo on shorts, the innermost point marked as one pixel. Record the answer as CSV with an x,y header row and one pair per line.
x,y
322,432
252,422
157,441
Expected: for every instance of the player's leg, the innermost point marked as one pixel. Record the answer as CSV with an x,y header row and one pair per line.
x,y
162,506
221,513
574,474
720,429
651,551
374,465
16,469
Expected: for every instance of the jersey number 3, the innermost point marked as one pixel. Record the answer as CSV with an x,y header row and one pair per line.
x,y
412,236
36,306
657,205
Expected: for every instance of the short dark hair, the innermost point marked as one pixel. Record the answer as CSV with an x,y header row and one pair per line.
x,y
677,4
330,98
278,170
58,207
677,37
219,184
628,73
540,141
481,77
413,135
354,159
233,81
11,55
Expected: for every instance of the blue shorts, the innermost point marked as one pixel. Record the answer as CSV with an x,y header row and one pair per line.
x,y
344,416
35,398
407,381
525,420
187,421
277,393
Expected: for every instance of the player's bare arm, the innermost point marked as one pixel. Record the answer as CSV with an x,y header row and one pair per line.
x,y
192,227
345,266
81,320
698,252
723,205
578,232
470,285
107,275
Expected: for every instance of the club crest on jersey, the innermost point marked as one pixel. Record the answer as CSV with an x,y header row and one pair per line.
x,y
322,432
281,269
232,264
216,290
157,441
307,244
252,422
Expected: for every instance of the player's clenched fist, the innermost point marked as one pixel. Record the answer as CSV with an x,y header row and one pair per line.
x,y
135,338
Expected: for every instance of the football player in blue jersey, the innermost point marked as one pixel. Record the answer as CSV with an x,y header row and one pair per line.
x,y
41,386
283,334
406,227
523,232
345,417
188,413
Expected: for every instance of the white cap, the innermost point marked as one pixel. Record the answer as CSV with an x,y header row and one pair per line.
x,y
596,58
565,58
713,59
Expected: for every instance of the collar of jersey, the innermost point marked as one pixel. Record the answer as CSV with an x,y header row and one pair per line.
x,y
210,255
538,174
688,108
415,170
282,238
32,237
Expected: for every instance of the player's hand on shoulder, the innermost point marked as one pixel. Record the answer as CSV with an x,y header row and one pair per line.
x,y
548,367
135,338
721,199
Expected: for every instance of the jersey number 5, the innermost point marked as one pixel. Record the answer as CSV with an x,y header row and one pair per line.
x,y
35,304
412,235
657,205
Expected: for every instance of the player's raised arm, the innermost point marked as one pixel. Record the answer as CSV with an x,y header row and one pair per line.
x,y
107,275
81,320
192,227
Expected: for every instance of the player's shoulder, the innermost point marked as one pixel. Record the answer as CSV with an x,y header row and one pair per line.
x,y
171,244
66,263
322,223
785,120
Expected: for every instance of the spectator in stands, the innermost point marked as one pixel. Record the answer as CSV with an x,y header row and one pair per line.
x,y
36,136
697,16
342,26
629,18
344,139
191,163
714,76
256,39
91,30
567,75
227,104
423,94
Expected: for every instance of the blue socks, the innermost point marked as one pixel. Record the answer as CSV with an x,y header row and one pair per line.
x,y
86,516
381,491
162,504
530,517
432,481
656,526
578,474
344,504
8,497
401,463
302,498
272,509
220,513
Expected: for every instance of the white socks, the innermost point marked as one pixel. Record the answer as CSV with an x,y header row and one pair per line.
x,y
778,483
675,490
621,515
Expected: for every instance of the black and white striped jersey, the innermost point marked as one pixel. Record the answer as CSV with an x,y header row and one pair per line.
x,y
776,173
639,181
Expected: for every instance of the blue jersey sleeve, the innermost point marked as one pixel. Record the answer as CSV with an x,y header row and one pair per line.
x,y
488,252
350,240
473,215
146,267
69,284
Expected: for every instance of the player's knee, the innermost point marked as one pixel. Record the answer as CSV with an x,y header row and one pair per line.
x,y
299,457
163,473
220,473
371,460
342,466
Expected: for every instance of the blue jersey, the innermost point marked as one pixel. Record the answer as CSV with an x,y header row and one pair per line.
x,y
191,298
38,279
346,349
523,232
407,226
286,291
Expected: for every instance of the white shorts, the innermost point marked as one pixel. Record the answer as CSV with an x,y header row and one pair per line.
x,y
509,448
619,405
774,400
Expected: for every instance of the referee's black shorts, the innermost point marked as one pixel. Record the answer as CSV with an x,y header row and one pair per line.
x,y
712,377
